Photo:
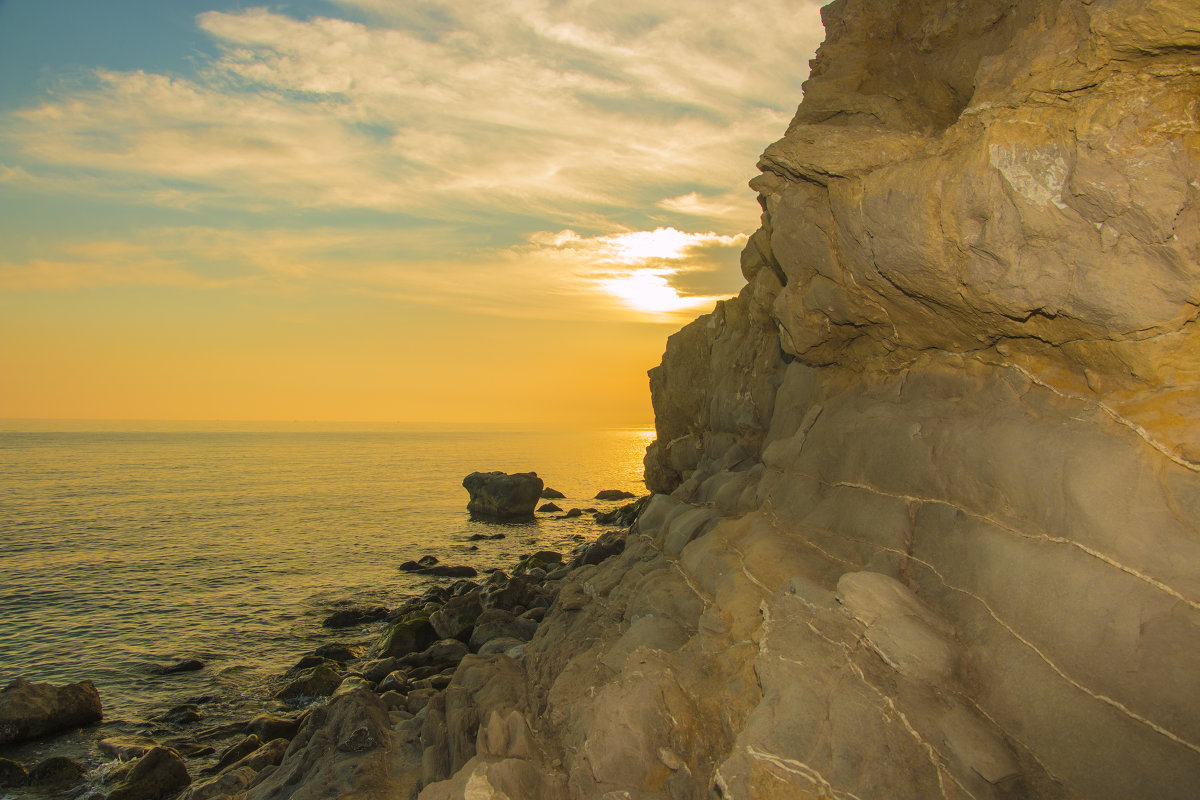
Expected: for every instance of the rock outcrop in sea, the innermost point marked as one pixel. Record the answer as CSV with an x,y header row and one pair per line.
x,y
928,493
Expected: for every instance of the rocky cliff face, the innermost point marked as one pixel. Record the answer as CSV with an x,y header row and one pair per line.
x,y
929,510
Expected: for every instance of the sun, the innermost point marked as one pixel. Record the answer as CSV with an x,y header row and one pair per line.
x,y
648,291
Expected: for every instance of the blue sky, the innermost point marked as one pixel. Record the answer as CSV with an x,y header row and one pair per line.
x,y
558,168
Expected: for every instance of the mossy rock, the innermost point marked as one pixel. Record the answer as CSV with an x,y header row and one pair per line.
x,y
411,634
320,681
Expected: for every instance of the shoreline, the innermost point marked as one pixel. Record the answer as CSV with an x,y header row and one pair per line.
x,y
351,658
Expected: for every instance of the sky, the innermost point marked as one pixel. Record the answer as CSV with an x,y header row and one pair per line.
x,y
375,210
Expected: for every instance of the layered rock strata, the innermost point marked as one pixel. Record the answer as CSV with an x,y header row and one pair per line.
x,y
927,522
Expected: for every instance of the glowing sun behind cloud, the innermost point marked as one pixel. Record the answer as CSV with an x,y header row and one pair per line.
x,y
648,290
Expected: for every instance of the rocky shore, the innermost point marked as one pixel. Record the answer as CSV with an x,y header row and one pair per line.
x,y
380,690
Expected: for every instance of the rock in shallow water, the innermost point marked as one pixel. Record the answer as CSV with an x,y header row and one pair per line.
x,y
498,495
158,774
29,710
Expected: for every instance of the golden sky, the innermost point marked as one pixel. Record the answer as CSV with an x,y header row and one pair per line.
x,y
374,210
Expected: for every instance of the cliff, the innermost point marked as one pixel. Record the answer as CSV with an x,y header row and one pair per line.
x,y
926,522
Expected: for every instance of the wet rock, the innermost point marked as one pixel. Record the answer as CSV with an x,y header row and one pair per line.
x,y
126,748
614,494
548,508
155,776
396,681
261,757
608,544
572,514
485,537
185,714
319,681
540,560
625,515
421,563
341,653
450,571
407,636
268,727
56,771
359,615
551,494
29,710
183,665
497,495
12,773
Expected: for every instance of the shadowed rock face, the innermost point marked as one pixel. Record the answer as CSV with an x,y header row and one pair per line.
x,y
29,710
497,495
928,522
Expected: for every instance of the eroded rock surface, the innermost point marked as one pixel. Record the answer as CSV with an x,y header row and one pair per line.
x,y
501,496
29,710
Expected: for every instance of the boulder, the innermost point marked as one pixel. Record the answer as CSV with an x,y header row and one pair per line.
x,y
456,619
268,727
497,623
409,635
498,495
319,681
29,710
155,776
614,494
358,615
552,494
12,773
438,655
56,771
548,508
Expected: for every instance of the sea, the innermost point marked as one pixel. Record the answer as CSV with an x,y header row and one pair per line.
x,y
126,547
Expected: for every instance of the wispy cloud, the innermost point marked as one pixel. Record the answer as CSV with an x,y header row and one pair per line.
x,y
634,276
570,112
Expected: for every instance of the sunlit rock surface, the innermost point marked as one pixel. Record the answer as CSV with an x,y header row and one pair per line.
x,y
928,488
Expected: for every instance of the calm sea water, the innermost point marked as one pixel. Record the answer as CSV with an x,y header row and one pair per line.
x,y
120,549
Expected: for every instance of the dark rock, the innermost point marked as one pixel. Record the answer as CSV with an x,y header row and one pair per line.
x,y
551,494
625,515
268,727
336,651
614,494
189,748
183,665
456,619
156,775
185,714
424,562
409,635
29,710
320,681
12,773
484,537
395,681
359,615
308,662
548,508
236,752
572,514
496,495
535,614
609,543
56,771
538,561
447,571
267,755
